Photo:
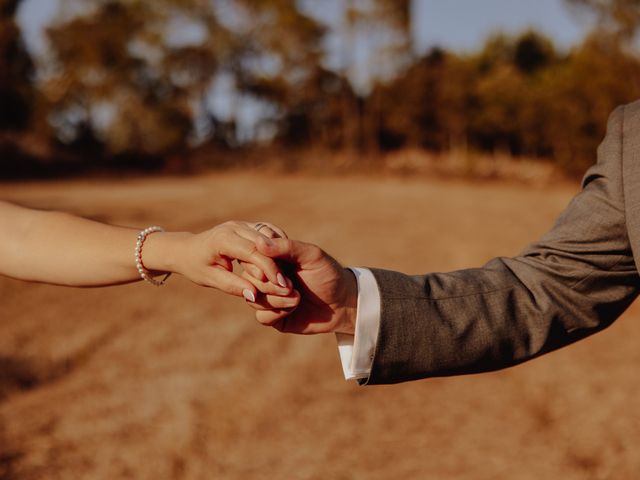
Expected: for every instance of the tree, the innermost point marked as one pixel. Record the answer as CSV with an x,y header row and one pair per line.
x,y
16,91
533,52
119,80
618,17
135,83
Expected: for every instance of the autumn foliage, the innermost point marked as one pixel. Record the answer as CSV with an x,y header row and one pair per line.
x,y
129,83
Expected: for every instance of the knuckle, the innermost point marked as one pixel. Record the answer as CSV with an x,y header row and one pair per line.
x,y
314,251
289,245
256,257
225,231
216,234
226,228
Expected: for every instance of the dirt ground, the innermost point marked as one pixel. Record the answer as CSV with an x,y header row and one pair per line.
x,y
180,382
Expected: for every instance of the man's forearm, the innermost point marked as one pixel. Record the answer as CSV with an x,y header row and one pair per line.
x,y
574,281
485,319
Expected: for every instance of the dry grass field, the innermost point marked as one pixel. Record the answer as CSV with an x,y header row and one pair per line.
x,y
135,382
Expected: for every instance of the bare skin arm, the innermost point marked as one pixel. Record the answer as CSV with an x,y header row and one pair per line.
x,y
59,248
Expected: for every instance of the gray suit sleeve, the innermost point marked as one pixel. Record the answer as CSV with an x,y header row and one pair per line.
x,y
575,281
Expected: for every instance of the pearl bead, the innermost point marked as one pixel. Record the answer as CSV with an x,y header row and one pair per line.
x,y
138,255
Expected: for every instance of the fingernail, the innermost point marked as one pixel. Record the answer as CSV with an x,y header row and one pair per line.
x,y
281,280
269,242
248,295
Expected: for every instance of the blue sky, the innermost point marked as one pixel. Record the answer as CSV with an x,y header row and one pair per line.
x,y
456,24
464,24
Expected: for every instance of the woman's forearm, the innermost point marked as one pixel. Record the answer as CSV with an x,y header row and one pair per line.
x,y
59,248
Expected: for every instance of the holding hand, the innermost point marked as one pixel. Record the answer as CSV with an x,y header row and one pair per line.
x,y
62,249
207,258
327,293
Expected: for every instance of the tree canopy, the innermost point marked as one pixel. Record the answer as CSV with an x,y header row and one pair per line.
x,y
156,79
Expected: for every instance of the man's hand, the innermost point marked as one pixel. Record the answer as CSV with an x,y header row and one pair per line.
x,y
327,292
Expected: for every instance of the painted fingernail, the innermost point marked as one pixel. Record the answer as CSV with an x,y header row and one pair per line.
x,y
248,295
281,280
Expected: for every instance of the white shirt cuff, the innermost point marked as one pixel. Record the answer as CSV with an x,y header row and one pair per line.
x,y
357,351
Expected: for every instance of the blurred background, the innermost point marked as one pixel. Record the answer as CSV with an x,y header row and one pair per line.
x,y
178,85
423,135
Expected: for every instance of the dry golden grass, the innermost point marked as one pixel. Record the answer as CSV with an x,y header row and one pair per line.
x,y
180,383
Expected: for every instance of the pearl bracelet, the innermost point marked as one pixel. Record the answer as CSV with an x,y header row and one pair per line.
x,y
142,270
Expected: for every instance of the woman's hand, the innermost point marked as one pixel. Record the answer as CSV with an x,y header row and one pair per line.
x,y
253,272
270,300
207,258
63,249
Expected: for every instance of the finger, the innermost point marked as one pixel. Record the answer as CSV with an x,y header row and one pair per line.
x,y
244,250
257,272
275,302
265,230
273,318
253,271
281,233
269,230
246,231
252,235
292,251
288,321
225,263
266,287
230,283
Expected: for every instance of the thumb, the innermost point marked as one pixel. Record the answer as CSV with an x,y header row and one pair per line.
x,y
291,251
